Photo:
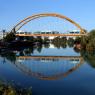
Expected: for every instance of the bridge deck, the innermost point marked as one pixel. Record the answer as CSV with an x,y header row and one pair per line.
x,y
49,57
50,35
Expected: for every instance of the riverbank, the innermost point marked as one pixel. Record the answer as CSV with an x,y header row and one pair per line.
x,y
11,89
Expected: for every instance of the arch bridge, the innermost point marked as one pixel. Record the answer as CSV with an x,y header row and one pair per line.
x,y
36,16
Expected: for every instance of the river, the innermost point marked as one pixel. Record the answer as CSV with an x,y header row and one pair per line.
x,y
50,70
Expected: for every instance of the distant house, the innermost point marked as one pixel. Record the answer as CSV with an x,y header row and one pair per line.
x,y
22,32
2,34
47,32
74,32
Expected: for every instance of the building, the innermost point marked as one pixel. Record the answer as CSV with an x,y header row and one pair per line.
x,y
2,34
47,32
73,32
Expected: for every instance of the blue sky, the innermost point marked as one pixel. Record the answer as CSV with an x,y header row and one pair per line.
x,y
81,11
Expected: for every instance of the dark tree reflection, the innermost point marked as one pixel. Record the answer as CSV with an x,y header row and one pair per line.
x,y
89,57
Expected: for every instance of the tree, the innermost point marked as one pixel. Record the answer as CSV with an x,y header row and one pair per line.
x,y
70,42
46,40
9,37
39,39
77,40
88,42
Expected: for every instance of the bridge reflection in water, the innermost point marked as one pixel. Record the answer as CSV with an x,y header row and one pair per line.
x,y
48,67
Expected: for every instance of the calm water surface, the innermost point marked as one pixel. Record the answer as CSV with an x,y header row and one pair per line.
x,y
50,71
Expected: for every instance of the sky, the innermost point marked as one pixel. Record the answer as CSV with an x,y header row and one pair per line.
x,y
81,11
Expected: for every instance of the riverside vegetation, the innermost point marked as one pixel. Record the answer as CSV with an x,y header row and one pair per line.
x,y
10,89
87,42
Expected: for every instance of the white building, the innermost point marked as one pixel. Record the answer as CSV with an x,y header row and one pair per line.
x,y
47,32
73,32
2,34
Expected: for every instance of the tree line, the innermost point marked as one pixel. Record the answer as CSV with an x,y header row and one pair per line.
x,y
87,42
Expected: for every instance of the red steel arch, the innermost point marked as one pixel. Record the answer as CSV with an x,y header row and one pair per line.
x,y
28,19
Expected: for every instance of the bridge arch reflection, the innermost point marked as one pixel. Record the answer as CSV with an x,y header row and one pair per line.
x,y
45,76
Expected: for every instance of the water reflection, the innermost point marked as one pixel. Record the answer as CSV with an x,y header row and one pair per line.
x,y
89,57
45,67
